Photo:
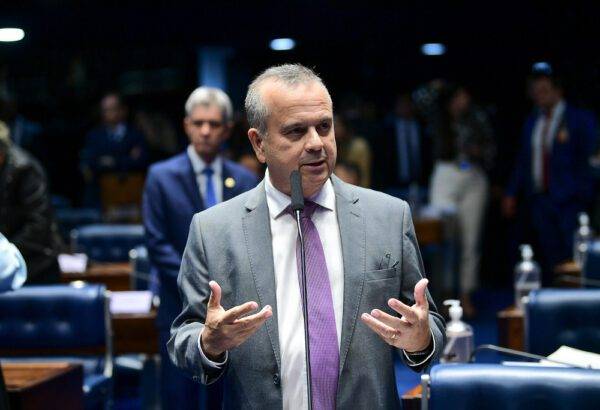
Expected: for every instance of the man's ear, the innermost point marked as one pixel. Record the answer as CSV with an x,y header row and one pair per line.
x,y
257,142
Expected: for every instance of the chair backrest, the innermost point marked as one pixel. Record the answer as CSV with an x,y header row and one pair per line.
x,y
107,243
494,386
556,317
71,218
144,278
56,320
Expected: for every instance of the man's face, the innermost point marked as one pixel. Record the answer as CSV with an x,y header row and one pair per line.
x,y
206,130
300,135
544,94
113,111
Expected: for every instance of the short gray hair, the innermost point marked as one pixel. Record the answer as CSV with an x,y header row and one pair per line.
x,y
290,75
210,96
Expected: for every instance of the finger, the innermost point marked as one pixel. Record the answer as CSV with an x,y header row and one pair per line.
x,y
214,301
420,298
391,321
378,327
235,312
255,320
406,311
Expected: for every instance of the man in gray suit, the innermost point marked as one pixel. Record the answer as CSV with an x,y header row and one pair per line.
x,y
362,259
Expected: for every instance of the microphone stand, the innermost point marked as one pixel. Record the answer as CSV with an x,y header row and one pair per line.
x,y
518,353
304,308
298,206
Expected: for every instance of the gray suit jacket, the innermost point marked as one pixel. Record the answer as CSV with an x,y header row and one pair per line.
x,y
231,243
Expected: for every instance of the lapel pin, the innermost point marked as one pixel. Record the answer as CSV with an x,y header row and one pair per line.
x,y
229,182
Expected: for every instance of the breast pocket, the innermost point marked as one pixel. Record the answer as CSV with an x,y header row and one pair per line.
x,y
380,286
380,274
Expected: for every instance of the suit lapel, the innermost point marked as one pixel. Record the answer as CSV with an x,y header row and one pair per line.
x,y
257,234
190,183
353,234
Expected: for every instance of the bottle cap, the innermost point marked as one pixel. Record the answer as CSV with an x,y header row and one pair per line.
x,y
455,309
526,251
584,219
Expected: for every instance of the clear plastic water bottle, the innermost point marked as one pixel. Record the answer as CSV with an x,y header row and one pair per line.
x,y
581,242
527,275
459,343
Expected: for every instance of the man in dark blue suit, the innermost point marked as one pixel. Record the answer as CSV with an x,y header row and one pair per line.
x,y
175,190
552,176
114,146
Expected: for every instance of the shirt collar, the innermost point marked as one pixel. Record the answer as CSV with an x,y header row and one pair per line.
x,y
198,164
277,201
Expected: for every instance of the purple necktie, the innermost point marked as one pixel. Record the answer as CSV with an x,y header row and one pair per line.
x,y
324,350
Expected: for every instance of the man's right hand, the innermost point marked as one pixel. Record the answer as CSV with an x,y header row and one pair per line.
x,y
226,329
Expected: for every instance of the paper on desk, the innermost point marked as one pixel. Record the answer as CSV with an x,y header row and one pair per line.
x,y
72,263
575,357
138,301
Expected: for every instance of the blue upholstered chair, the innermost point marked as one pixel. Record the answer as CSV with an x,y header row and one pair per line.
x,y
495,387
61,323
555,317
71,218
107,243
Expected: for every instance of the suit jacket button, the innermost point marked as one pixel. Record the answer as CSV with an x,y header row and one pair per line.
x,y
276,379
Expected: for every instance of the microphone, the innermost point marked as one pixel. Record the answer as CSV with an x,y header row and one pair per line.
x,y
298,206
518,353
297,194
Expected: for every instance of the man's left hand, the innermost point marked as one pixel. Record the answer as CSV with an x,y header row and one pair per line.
x,y
410,331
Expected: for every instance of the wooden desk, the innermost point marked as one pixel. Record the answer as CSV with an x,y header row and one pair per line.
x,y
116,276
44,385
429,231
511,328
411,400
135,333
567,275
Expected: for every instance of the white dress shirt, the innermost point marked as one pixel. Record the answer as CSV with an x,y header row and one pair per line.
x,y
284,234
199,165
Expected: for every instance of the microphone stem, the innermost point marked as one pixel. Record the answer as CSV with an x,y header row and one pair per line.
x,y
304,294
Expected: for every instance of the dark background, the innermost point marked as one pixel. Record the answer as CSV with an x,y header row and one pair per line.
x,y
367,53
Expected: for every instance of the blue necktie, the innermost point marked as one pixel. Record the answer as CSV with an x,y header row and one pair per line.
x,y
210,198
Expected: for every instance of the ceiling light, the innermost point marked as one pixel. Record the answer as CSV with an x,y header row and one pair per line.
x,y
282,44
433,49
9,35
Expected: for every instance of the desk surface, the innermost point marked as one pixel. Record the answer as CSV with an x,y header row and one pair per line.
x,y
135,333
43,385
511,328
429,230
21,376
116,276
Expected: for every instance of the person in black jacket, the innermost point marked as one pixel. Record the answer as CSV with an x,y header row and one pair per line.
x,y
26,217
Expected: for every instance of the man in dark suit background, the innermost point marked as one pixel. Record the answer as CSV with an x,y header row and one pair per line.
x,y
114,146
403,157
552,179
175,190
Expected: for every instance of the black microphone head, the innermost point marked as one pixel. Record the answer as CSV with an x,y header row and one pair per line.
x,y
297,194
